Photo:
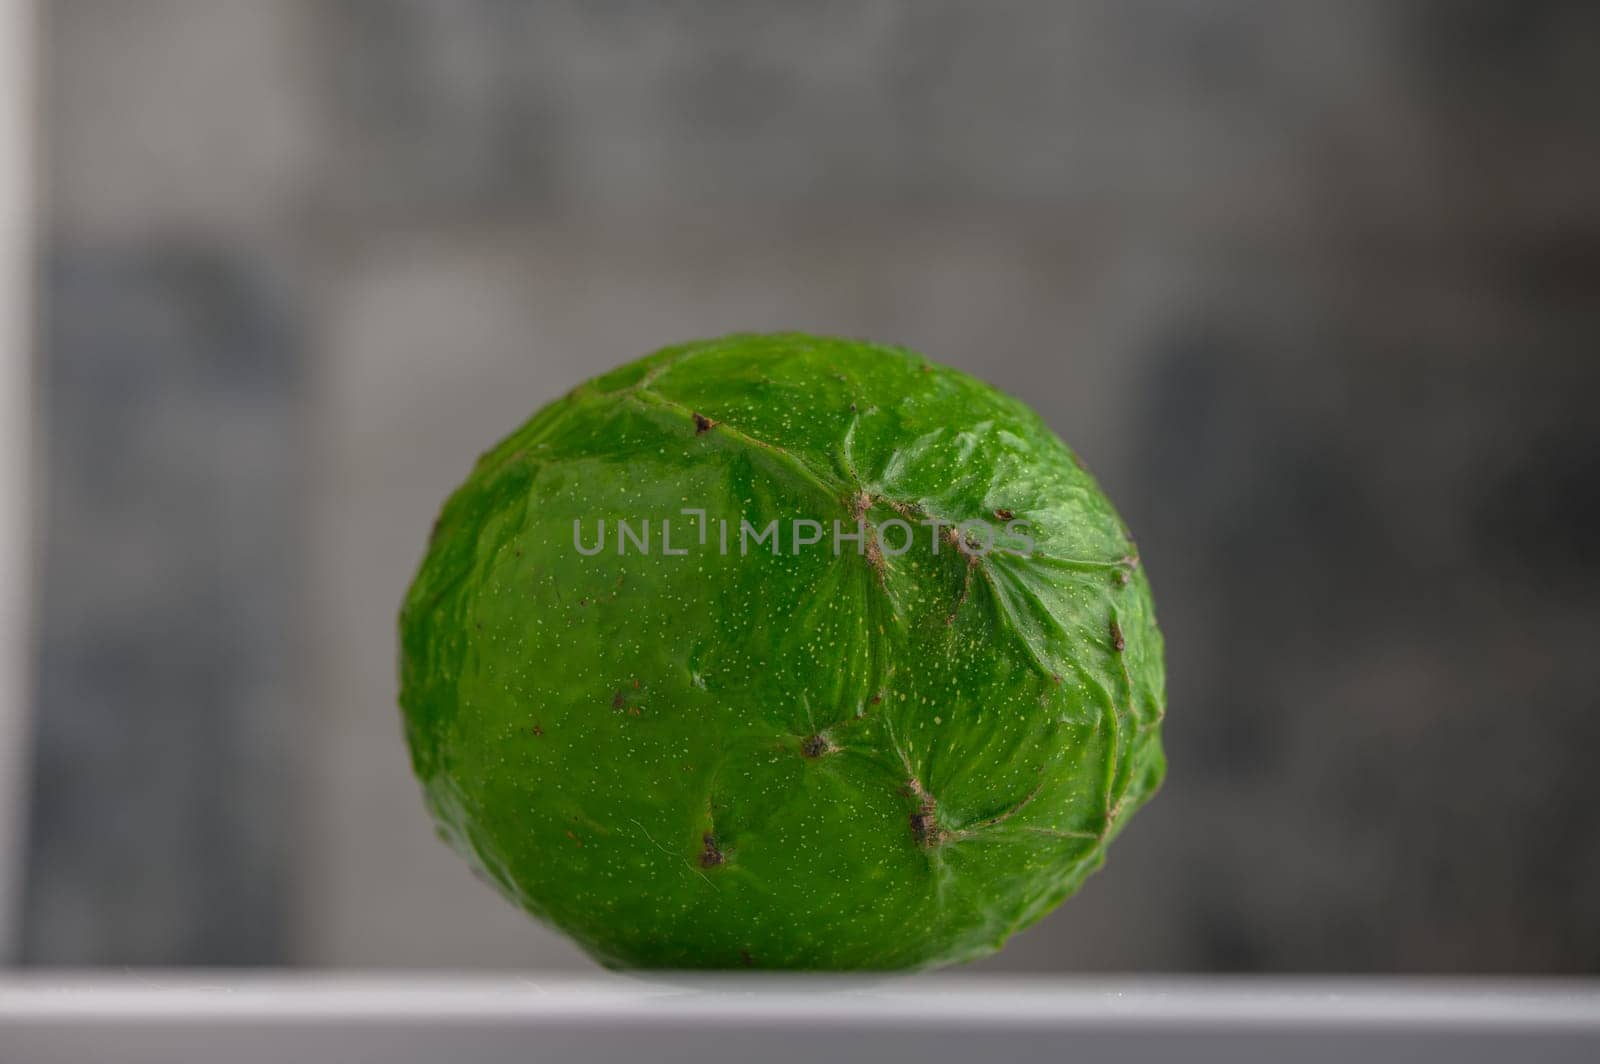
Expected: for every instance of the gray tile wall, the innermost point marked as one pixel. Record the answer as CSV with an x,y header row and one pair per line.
x,y
170,699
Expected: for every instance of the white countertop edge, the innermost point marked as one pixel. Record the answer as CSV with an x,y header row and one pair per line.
x,y
926,1001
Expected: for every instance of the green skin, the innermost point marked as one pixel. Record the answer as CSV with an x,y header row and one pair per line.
x,y
862,760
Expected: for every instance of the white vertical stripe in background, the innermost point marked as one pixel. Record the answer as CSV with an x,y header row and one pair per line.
x,y
16,447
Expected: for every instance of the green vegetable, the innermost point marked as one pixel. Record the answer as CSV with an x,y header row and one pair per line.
x,y
773,754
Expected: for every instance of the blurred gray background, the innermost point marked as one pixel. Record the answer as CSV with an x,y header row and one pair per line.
x,y
1311,286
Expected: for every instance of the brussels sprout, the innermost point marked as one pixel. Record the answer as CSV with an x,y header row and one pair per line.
x,y
782,652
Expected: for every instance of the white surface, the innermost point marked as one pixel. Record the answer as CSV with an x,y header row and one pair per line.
x,y
16,436
774,1019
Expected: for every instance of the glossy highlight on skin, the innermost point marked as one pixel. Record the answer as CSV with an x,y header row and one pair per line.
x,y
794,759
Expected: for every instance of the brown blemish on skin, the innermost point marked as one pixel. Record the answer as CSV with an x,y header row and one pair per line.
x,y
745,959
537,731
816,746
924,818
860,503
875,558
1005,515
875,699
966,546
711,854
617,700
1116,636
575,840
703,424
